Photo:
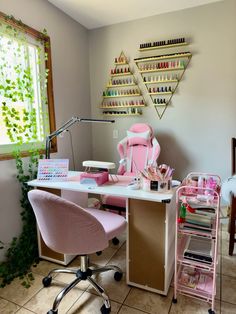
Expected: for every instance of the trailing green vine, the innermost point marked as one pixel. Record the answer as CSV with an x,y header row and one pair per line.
x,y
22,252
21,126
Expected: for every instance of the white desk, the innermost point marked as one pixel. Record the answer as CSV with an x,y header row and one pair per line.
x,y
151,230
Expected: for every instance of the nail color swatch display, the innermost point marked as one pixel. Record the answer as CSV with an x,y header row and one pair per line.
x,y
53,169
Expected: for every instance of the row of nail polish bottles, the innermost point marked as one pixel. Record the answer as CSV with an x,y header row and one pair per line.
x,y
159,101
161,78
120,60
124,112
123,81
119,71
162,65
123,103
163,43
163,89
122,92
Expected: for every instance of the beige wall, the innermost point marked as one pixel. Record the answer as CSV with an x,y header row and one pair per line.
x,y
69,44
196,129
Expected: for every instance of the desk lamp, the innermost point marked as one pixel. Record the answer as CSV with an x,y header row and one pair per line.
x,y
67,125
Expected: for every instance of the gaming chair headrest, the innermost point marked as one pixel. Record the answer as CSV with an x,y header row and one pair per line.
x,y
139,134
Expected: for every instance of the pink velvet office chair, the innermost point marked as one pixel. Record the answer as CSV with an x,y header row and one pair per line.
x,y
70,229
137,150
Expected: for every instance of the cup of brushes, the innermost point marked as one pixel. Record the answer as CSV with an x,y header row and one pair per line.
x,y
157,178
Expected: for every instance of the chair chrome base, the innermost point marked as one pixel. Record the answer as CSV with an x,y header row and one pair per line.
x,y
83,273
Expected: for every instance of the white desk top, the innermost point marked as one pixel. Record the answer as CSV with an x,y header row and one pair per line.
x,y
109,188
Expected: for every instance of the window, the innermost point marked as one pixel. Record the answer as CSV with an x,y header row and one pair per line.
x,y
26,98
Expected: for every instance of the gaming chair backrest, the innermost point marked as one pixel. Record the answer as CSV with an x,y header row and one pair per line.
x,y
138,149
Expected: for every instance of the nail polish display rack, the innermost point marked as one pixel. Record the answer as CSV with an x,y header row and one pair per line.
x,y
122,96
197,237
161,74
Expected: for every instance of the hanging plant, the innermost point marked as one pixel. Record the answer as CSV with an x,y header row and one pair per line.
x,y
22,127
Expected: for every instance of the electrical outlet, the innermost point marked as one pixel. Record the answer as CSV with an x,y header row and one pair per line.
x,y
115,133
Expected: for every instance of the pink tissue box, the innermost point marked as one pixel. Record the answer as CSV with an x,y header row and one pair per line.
x,y
94,178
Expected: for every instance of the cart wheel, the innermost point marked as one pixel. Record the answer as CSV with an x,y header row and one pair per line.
x,y
105,310
47,281
174,300
115,241
118,276
211,312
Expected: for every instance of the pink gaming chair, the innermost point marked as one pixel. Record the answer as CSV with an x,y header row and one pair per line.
x,y
137,150
70,229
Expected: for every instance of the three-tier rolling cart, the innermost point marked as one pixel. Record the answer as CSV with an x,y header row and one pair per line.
x,y
197,226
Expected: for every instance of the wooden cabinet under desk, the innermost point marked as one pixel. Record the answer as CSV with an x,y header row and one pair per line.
x,y
150,245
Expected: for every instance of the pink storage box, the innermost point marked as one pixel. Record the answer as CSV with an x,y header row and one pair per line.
x,y
94,178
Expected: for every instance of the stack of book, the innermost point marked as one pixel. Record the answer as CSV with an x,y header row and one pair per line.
x,y
201,220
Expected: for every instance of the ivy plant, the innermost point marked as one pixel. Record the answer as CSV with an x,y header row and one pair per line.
x,y
16,87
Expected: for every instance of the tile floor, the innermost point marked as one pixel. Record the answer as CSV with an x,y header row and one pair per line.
x,y
124,299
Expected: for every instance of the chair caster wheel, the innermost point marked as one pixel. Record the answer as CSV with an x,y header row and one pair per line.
x,y
211,312
118,276
115,241
105,310
46,282
52,312
174,300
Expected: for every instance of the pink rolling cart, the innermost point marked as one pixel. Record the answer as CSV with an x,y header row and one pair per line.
x,y
196,248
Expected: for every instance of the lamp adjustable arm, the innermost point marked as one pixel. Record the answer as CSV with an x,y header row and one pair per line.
x,y
67,125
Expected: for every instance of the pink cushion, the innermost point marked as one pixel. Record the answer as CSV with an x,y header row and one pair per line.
x,y
141,127
142,138
114,201
113,224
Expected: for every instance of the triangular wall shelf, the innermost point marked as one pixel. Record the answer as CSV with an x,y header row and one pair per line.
x,y
122,96
161,74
